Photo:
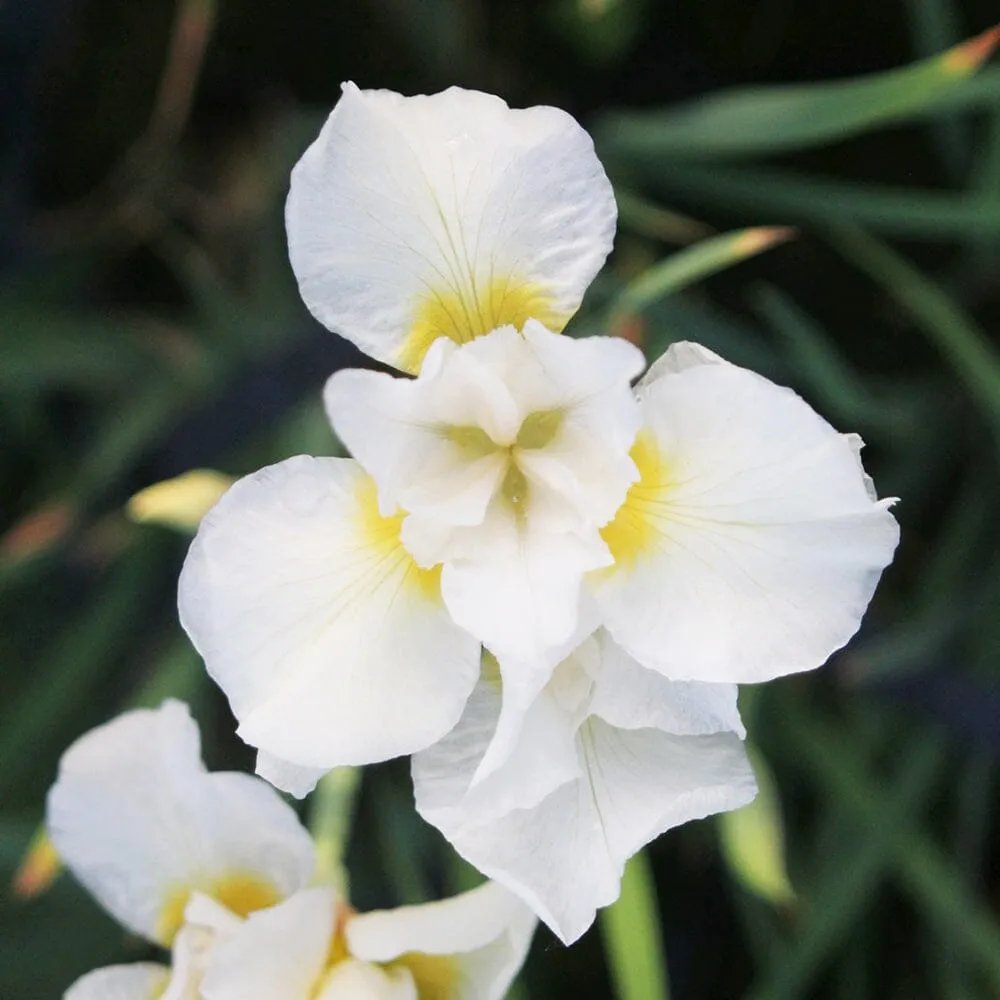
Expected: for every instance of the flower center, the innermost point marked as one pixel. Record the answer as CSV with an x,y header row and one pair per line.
x,y
536,431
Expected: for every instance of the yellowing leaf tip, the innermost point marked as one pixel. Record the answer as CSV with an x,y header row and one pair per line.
x,y
754,241
180,502
964,59
38,869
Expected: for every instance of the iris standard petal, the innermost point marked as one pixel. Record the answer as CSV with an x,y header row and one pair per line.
x,y
413,218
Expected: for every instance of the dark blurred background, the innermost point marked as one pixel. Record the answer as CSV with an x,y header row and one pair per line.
x,y
149,324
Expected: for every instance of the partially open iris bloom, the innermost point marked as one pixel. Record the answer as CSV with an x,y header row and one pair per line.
x,y
518,495
218,868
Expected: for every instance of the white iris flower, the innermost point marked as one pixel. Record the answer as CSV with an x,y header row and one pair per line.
x,y
314,947
518,494
150,833
216,867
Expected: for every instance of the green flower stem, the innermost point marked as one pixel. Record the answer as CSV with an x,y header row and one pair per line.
x,y
633,940
330,823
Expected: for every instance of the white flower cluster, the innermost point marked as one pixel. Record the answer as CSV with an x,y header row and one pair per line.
x,y
542,582
216,867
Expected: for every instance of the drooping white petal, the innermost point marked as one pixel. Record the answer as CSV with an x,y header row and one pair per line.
x,y
750,547
472,944
565,856
279,952
450,215
142,981
541,756
564,853
292,778
523,599
331,644
629,696
142,825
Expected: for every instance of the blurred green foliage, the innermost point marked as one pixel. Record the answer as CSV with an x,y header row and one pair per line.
x,y
149,324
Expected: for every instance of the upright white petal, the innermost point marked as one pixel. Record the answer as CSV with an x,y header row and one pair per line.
x,y
331,644
141,981
412,218
507,455
564,852
142,824
281,952
470,946
751,545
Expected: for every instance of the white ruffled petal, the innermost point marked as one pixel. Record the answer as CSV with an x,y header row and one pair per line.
x,y
563,852
565,856
301,599
629,696
400,434
539,756
462,923
520,593
280,952
142,825
472,944
450,215
751,546
142,981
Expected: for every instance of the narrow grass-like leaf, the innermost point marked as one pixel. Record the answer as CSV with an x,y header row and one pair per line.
x,y
633,940
843,893
38,869
959,339
647,219
181,502
688,266
777,193
761,120
841,391
83,654
919,864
